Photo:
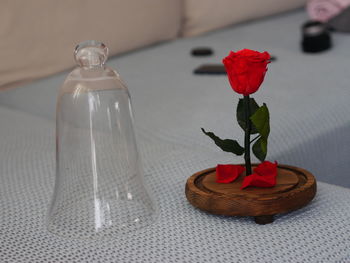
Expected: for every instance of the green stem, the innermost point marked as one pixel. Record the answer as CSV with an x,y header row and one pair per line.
x,y
248,165
257,137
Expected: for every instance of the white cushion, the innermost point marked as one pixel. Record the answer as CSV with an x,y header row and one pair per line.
x,y
38,37
205,15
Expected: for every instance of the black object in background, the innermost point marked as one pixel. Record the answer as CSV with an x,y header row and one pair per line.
x,y
316,37
201,51
210,69
273,58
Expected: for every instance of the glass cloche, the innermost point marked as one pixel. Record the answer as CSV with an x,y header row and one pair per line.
x,y
99,188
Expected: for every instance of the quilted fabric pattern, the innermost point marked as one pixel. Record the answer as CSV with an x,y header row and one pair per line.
x,y
316,233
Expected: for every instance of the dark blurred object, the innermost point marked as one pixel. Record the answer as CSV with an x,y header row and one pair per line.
x,y
210,69
201,51
341,22
273,58
316,37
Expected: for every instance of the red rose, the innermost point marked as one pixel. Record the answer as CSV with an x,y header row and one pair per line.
x,y
246,70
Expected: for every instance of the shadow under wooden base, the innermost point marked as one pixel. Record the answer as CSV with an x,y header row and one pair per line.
x,y
294,189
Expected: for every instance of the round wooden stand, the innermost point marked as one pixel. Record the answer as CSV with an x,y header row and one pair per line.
x,y
295,188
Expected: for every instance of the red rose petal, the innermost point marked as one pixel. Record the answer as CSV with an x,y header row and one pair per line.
x,y
227,173
264,176
258,181
247,181
266,168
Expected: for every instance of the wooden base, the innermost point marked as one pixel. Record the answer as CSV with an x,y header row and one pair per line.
x,y
295,188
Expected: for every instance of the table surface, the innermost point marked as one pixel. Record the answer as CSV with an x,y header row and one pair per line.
x,y
316,233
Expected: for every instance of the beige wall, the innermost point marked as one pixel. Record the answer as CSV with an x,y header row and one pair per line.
x,y
205,15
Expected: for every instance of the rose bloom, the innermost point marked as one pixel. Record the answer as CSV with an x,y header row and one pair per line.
x,y
246,70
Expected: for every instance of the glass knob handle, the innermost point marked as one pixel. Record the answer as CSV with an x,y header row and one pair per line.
x,y
90,54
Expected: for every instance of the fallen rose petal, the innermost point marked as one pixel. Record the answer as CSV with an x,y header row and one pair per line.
x,y
259,181
247,181
227,173
266,168
264,176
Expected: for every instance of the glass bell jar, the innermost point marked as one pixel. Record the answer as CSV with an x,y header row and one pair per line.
x,y
99,188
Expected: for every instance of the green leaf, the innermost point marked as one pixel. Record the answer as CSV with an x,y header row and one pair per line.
x,y
225,145
261,121
241,113
260,149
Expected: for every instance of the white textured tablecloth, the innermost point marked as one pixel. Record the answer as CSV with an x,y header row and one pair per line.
x,y
316,233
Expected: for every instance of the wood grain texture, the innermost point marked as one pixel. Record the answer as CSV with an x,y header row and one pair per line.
x,y
295,188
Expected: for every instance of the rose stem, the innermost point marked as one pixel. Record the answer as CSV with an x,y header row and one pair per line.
x,y
248,127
